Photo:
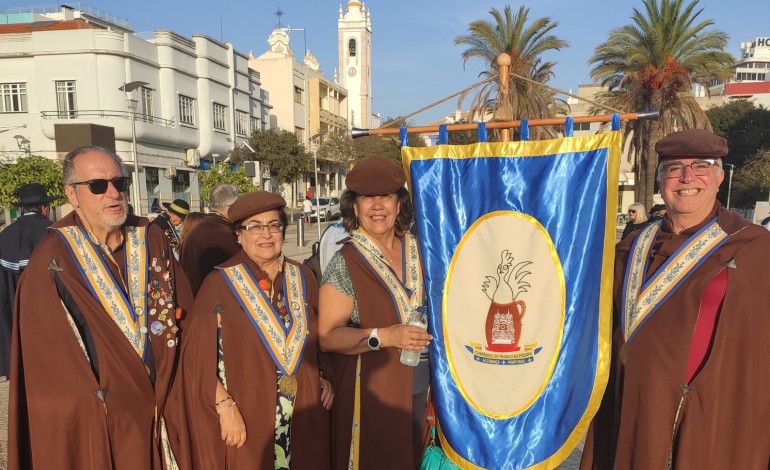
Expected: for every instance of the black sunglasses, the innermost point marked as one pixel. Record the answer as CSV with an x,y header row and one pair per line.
x,y
99,185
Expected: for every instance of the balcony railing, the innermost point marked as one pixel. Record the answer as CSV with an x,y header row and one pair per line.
x,y
100,113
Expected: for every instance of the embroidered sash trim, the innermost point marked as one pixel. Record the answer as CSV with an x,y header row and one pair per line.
x,y
407,296
285,343
97,276
641,299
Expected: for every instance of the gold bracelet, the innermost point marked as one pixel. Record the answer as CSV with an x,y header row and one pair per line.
x,y
228,397
226,407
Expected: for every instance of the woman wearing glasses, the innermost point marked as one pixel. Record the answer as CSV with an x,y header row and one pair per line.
x,y
638,219
255,393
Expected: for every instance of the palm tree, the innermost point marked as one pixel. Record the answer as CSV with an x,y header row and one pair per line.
x,y
524,41
654,63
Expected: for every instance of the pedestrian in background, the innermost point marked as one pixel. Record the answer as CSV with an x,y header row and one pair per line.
x,y
307,209
637,215
213,240
16,244
171,218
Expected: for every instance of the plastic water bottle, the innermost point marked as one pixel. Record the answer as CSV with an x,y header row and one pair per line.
x,y
419,319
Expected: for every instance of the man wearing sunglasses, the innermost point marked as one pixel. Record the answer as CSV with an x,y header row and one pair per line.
x,y
689,373
95,335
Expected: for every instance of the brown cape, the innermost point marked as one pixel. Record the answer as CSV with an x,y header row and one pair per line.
x,y
65,414
209,244
251,381
725,416
386,385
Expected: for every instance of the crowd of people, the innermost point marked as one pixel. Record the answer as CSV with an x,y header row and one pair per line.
x,y
131,346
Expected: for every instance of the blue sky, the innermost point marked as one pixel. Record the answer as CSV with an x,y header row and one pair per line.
x,y
415,60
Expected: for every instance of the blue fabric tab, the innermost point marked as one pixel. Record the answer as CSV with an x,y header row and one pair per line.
x,y
403,136
482,132
443,135
524,129
616,122
569,125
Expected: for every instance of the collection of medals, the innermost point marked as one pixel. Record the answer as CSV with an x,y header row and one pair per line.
x,y
160,303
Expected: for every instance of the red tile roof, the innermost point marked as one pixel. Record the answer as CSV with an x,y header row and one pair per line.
x,y
20,28
749,88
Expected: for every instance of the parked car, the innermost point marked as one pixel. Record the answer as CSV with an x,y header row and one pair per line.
x,y
329,206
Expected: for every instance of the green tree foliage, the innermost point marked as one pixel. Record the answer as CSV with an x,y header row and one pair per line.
x,y
653,63
280,150
31,169
222,174
339,148
747,130
751,183
525,41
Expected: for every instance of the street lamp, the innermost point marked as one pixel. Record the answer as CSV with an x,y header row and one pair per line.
x,y
729,183
315,168
128,88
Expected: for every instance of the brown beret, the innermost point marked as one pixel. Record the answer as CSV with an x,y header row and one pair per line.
x,y
692,143
254,203
375,175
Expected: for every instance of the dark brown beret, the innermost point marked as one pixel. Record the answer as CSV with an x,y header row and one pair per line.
x,y
254,203
374,176
691,143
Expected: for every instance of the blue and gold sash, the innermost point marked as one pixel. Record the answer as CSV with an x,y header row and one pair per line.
x,y
640,298
129,315
406,296
285,342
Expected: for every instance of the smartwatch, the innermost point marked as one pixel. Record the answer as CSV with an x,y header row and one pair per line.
x,y
374,340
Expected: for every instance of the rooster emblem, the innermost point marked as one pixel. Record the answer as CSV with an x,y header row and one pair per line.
x,y
503,325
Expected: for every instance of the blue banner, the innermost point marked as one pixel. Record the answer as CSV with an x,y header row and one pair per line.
x,y
517,242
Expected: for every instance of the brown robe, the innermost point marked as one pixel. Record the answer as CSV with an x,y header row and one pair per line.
x,y
69,414
251,381
210,243
725,418
386,385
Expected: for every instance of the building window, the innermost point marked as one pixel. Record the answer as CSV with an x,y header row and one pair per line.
x,y
13,97
241,123
299,133
220,117
581,126
146,104
298,95
66,100
352,48
254,124
186,110
180,185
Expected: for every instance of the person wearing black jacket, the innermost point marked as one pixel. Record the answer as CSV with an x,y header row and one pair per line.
x,y
638,215
16,244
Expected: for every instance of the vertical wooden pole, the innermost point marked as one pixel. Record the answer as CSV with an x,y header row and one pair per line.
x,y
503,65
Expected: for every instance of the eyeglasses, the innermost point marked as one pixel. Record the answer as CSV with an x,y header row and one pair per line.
x,y
631,211
256,229
100,185
676,169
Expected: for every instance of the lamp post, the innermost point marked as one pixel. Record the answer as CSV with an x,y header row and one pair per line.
x,y
315,168
729,183
128,88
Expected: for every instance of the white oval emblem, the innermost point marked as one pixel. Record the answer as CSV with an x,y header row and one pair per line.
x,y
503,313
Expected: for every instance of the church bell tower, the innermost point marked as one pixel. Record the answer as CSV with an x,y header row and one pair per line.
x,y
355,61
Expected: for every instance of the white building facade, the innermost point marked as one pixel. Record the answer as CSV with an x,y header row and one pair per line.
x,y
306,103
195,98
